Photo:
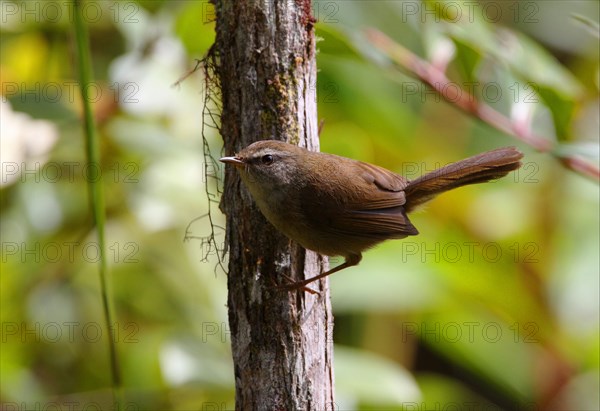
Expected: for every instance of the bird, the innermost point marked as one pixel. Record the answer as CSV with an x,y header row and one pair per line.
x,y
339,206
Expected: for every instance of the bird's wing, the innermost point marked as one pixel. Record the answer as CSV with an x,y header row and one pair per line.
x,y
369,203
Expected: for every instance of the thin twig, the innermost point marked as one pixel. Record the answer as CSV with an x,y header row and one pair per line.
x,y
437,80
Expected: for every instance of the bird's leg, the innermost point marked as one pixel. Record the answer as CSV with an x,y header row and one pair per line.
x,y
291,280
351,260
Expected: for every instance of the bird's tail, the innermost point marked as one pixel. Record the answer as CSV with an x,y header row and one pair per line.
x,y
477,169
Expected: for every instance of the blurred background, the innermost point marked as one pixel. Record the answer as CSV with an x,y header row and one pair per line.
x,y
493,306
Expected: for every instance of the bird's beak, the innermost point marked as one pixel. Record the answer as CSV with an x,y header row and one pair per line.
x,y
233,160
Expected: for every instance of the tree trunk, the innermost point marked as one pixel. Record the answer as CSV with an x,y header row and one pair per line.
x,y
281,341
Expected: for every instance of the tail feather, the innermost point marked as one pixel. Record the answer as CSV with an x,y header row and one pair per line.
x,y
473,170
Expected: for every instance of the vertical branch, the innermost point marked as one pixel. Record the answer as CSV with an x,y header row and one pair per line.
x,y
282,351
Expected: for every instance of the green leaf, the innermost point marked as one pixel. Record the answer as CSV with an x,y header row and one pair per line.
x,y
591,25
372,379
340,43
496,351
590,150
561,107
195,26
529,62
332,41
522,55
386,281
468,59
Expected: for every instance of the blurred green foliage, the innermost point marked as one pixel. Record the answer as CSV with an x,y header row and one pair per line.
x,y
495,304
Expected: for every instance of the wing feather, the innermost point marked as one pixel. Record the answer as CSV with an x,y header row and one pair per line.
x,y
370,206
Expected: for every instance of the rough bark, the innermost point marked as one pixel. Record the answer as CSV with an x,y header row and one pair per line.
x,y
281,341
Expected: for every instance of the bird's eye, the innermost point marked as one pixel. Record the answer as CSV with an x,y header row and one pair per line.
x,y
267,159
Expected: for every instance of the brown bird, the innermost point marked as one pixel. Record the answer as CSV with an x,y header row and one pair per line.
x,y
338,206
